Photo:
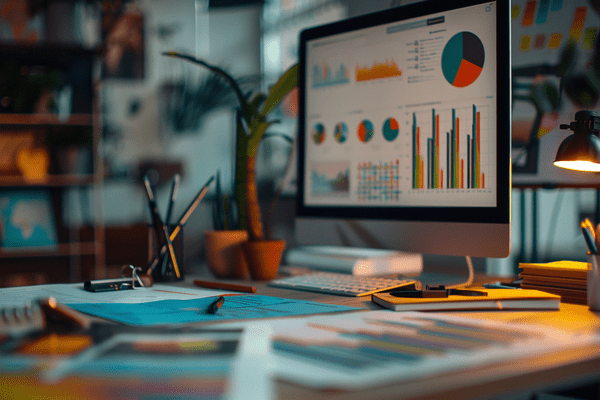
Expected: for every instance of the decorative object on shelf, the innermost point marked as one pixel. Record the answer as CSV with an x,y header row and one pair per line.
x,y
11,143
33,163
27,220
251,126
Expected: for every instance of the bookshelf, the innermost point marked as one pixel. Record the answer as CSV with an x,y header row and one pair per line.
x,y
51,142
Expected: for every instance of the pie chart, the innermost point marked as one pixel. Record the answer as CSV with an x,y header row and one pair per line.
x,y
462,59
365,131
390,129
318,133
341,132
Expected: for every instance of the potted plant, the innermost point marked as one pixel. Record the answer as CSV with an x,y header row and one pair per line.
x,y
263,256
224,253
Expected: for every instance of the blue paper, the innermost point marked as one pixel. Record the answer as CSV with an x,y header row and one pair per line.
x,y
169,312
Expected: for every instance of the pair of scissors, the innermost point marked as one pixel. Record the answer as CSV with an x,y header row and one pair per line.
x,y
437,292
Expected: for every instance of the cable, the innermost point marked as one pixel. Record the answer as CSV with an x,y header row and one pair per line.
x,y
469,280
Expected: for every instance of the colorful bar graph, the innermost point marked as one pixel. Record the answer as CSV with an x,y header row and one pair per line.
x,y
452,174
324,76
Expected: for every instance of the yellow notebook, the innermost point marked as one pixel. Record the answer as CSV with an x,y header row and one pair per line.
x,y
496,299
563,269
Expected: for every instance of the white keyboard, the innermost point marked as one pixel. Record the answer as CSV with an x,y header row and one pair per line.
x,y
341,284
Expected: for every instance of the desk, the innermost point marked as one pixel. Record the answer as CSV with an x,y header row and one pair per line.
x,y
561,369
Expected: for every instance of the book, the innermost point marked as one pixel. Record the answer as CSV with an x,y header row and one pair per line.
x,y
561,269
496,299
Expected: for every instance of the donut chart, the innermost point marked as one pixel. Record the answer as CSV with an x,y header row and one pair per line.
x,y
462,59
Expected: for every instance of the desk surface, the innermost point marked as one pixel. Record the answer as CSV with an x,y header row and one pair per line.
x,y
546,372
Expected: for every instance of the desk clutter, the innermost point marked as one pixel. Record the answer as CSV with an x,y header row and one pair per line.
x,y
568,279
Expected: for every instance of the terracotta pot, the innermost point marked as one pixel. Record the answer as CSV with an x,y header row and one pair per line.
x,y
224,253
263,257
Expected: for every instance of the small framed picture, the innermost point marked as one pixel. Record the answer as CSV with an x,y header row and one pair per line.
x,y
27,220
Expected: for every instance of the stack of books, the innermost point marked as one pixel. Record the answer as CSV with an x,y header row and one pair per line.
x,y
568,279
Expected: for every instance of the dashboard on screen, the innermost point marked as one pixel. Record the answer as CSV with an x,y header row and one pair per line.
x,y
405,115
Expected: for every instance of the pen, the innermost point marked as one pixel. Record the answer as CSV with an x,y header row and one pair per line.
x,y
225,286
498,285
172,198
589,238
181,223
215,305
160,226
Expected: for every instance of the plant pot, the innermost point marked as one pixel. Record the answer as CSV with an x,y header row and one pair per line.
x,y
224,253
263,257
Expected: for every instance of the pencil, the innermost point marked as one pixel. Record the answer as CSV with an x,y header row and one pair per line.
x,y
160,227
180,224
225,286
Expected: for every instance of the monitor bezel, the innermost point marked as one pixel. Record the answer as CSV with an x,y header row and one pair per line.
x,y
500,214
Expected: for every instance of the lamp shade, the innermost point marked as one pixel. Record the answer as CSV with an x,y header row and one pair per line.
x,y
580,152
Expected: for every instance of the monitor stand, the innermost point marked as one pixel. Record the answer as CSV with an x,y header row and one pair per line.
x,y
356,261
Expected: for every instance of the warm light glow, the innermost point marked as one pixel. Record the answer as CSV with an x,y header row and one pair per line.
x,y
586,166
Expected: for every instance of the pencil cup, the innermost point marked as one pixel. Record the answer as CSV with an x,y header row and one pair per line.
x,y
164,271
593,282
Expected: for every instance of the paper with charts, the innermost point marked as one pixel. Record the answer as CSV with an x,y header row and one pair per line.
x,y
360,350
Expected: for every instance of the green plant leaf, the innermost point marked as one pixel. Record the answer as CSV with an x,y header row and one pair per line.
x,y
255,138
218,71
287,82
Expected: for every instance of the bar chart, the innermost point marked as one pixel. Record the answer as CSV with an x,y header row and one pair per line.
x,y
447,148
323,76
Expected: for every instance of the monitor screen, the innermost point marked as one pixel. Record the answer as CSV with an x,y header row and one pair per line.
x,y
404,130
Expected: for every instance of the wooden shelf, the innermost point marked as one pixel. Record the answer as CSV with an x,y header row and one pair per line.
x,y
59,180
62,249
45,119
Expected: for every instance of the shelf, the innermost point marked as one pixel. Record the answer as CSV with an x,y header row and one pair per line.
x,y
59,180
60,250
45,119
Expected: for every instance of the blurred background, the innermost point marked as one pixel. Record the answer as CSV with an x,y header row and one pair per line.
x,y
89,105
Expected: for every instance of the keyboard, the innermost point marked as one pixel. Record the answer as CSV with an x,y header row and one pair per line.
x,y
340,284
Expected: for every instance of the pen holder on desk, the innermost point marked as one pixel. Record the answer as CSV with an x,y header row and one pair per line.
x,y
164,271
593,282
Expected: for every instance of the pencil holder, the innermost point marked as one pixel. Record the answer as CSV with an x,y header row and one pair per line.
x,y
162,268
593,282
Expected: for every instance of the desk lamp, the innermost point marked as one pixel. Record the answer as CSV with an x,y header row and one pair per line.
x,y
581,150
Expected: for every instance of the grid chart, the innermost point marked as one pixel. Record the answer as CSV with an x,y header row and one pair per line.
x,y
378,181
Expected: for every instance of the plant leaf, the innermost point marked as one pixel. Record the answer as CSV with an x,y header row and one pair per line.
x,y
255,137
284,85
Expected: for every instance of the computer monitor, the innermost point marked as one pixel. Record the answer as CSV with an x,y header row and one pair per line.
x,y
404,130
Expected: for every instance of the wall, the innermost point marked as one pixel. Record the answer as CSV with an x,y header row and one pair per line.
x,y
234,35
